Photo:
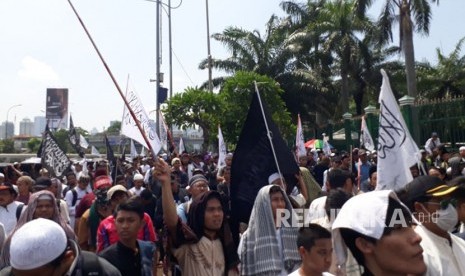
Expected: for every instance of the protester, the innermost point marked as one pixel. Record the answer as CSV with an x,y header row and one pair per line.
x,y
377,229
204,245
312,187
267,247
315,248
90,220
198,185
10,209
370,184
131,256
106,232
51,185
74,196
24,184
138,181
429,198
52,253
42,205
336,179
181,175
432,143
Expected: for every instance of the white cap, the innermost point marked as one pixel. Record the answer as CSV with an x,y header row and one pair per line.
x,y
273,178
138,176
37,243
114,189
366,214
462,148
2,175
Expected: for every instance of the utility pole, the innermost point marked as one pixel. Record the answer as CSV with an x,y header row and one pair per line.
x,y
210,83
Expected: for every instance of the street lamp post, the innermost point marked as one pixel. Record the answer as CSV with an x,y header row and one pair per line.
x,y
6,123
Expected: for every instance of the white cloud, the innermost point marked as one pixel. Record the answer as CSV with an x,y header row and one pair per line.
x,y
33,69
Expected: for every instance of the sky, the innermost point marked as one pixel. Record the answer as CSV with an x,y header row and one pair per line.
x,y
42,45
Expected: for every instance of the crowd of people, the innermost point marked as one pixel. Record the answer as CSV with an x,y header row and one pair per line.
x,y
171,216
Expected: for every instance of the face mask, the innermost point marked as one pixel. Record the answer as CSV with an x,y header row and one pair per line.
x,y
446,219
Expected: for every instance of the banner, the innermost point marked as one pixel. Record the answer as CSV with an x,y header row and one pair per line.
x,y
129,127
221,149
365,137
53,157
56,109
397,151
163,130
299,139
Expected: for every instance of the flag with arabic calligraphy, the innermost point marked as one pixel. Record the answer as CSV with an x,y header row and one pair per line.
x,y
397,151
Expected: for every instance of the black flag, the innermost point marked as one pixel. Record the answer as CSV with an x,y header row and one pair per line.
x,y
253,161
73,137
110,157
53,157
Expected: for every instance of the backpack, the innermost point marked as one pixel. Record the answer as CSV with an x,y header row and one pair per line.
x,y
19,210
90,264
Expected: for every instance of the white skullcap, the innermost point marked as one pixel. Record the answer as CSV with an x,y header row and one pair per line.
x,y
37,243
462,148
2,175
366,214
138,176
273,178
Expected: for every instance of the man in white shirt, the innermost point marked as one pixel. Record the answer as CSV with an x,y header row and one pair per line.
x,y
431,201
9,212
74,196
432,142
138,182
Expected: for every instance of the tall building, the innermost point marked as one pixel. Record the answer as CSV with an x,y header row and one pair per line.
x,y
7,130
39,125
26,127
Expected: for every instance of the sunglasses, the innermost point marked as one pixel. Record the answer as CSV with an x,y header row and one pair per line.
x,y
443,204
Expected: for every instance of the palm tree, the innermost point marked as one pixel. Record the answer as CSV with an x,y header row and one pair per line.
x,y
447,78
412,15
270,55
341,33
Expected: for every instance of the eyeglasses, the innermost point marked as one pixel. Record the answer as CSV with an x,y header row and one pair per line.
x,y
443,204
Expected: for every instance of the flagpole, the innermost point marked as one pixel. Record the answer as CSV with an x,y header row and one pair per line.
x,y
114,81
268,131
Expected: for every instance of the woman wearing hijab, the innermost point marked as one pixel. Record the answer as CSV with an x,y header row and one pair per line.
x,y
42,204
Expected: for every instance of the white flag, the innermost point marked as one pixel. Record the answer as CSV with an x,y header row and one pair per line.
x,y
133,150
129,127
299,139
221,149
397,151
163,130
94,151
365,137
326,146
181,146
142,152
82,142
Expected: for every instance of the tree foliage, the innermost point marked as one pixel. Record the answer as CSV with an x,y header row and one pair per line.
x,y
236,96
195,107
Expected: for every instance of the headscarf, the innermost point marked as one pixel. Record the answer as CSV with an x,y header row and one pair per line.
x,y
260,251
28,215
196,220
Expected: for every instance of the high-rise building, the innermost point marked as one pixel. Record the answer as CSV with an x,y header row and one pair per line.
x,y
26,127
7,130
39,125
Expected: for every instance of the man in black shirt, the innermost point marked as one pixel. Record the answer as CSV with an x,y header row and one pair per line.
x,y
132,257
